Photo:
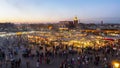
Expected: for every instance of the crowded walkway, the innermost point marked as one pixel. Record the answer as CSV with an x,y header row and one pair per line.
x,y
20,54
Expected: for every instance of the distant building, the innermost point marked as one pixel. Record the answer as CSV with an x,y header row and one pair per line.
x,y
69,24
75,21
66,24
7,27
102,23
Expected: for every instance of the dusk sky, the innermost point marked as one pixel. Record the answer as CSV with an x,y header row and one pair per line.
x,y
44,11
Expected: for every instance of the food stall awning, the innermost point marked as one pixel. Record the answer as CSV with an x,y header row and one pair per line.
x,y
109,39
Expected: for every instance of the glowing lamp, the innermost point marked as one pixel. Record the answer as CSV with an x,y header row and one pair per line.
x,y
116,64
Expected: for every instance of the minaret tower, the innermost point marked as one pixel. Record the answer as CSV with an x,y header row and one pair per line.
x,y
75,21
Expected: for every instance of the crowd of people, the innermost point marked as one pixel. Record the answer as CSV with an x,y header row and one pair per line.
x,y
68,56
